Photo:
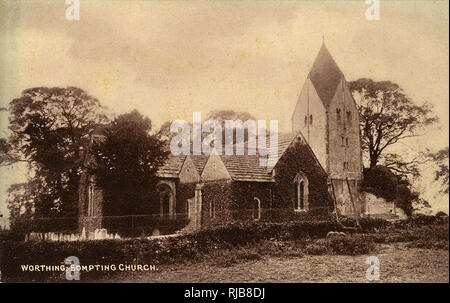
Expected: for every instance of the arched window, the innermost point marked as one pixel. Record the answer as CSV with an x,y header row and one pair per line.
x,y
257,208
349,115
301,192
306,120
345,165
301,195
310,119
338,113
212,209
91,192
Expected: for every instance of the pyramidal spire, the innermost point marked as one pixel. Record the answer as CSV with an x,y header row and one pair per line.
x,y
325,75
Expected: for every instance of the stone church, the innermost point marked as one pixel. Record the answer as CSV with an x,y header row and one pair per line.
x,y
317,165
327,115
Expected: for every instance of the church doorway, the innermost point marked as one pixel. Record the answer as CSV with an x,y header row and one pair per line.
x,y
166,200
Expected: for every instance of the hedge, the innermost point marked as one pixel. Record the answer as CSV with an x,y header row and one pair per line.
x,y
171,249
144,251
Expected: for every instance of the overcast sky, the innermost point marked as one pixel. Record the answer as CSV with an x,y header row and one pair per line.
x,y
168,58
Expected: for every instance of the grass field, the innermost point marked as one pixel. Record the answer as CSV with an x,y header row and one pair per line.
x,y
398,263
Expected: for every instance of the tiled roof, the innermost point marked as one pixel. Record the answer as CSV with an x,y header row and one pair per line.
x,y
284,140
172,167
325,75
240,167
199,162
248,167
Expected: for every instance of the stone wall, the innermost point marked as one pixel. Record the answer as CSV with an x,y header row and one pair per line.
x,y
94,221
184,192
310,118
188,172
343,200
378,207
335,139
344,136
244,204
217,202
298,158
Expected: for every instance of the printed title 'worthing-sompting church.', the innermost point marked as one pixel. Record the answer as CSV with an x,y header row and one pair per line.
x,y
314,163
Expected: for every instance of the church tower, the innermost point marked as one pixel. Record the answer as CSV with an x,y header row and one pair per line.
x,y
328,117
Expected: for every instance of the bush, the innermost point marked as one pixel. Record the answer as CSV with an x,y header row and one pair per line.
x,y
405,198
343,245
274,248
351,245
426,236
319,247
8,235
380,181
367,224
241,233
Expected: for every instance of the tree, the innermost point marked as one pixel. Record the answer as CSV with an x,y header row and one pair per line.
x,y
402,168
21,205
127,160
223,115
219,115
49,127
406,197
440,158
388,116
6,156
381,181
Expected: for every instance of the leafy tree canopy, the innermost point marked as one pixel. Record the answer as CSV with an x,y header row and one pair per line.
x,y
127,159
389,116
49,128
440,158
219,115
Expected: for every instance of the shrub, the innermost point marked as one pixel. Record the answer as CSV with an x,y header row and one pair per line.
x,y
427,236
222,258
405,198
426,243
275,248
319,247
351,245
343,245
441,214
248,254
228,257
8,235
380,181
367,224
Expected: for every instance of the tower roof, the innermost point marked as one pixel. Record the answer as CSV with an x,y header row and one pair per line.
x,y
325,75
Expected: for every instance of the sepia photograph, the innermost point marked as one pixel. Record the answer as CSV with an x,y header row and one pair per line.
x,y
251,142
